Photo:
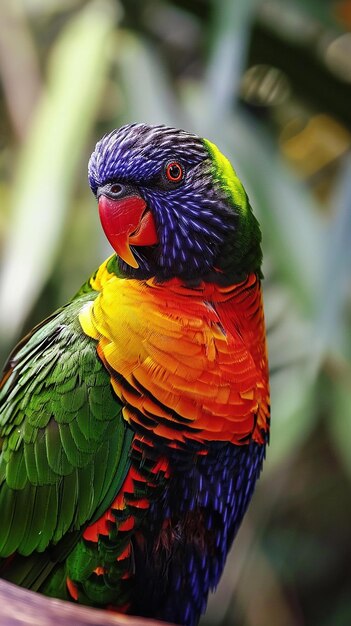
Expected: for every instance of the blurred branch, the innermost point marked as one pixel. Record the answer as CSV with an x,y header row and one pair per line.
x,y
20,607
19,67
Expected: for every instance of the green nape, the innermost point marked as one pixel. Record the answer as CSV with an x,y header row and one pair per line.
x,y
226,175
242,254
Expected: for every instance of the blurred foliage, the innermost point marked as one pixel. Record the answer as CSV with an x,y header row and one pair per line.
x,y
71,70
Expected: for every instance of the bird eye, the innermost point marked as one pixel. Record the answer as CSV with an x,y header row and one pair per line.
x,y
174,172
116,189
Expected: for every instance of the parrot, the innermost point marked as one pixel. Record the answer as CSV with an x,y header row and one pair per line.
x,y
134,420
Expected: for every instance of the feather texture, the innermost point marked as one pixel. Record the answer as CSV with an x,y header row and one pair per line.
x,y
134,421
63,440
188,362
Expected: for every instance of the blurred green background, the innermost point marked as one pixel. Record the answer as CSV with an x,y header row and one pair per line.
x,y
270,83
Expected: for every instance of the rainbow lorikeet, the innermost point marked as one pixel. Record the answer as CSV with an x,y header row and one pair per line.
x,y
134,420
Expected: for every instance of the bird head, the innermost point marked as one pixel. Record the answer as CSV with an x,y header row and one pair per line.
x,y
171,205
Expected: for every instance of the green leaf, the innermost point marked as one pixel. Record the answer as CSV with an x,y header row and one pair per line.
x,y
148,94
48,163
293,373
335,268
230,33
339,418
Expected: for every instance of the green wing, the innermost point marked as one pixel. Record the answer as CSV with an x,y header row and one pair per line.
x,y
64,446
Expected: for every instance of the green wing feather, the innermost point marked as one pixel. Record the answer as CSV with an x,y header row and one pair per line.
x,y
64,446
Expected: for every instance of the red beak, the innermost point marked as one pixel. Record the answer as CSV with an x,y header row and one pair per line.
x,y
127,221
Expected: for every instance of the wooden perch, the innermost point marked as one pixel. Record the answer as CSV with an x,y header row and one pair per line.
x,y
20,607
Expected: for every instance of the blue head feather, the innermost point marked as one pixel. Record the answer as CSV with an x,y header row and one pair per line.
x,y
195,219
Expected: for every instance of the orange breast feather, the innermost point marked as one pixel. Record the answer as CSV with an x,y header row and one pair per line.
x,y
185,362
